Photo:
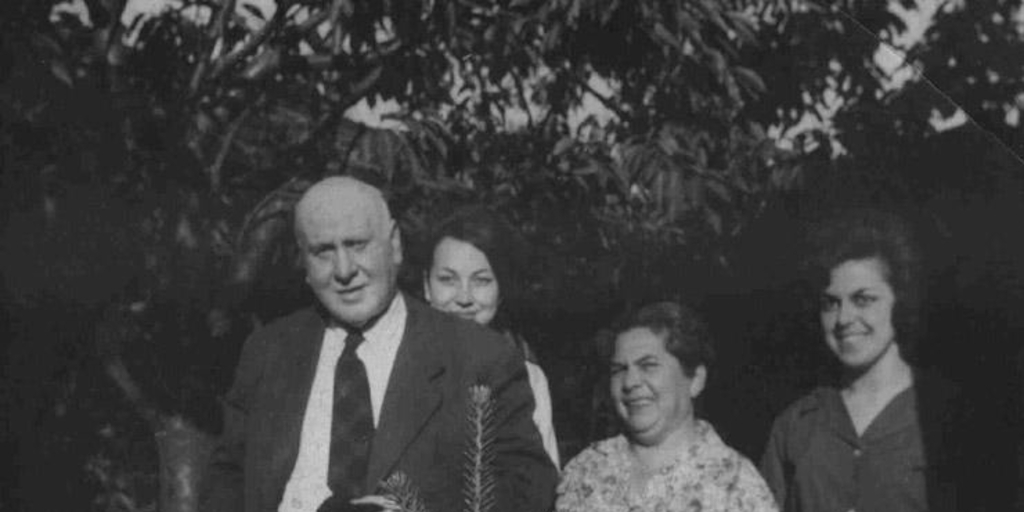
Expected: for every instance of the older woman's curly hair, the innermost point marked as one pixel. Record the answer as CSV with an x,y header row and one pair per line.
x,y
685,334
864,233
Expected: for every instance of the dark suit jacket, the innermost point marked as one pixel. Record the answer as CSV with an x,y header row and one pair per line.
x,y
422,426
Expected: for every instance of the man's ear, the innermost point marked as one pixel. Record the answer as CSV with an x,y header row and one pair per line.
x,y
697,382
396,243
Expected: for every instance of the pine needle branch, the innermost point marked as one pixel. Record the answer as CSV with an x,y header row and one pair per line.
x,y
478,474
400,489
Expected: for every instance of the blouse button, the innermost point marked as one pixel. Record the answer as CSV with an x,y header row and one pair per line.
x,y
856,453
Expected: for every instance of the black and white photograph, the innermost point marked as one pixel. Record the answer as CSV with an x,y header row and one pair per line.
x,y
512,255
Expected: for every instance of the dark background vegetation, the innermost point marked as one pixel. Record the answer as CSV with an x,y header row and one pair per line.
x,y
149,169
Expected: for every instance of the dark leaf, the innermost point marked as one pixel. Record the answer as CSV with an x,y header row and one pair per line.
x,y
254,11
60,70
562,146
263,64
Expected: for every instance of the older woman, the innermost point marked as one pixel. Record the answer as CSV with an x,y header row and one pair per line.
x,y
470,274
667,459
880,436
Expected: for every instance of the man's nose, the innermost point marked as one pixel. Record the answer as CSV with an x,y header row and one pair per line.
x,y
344,268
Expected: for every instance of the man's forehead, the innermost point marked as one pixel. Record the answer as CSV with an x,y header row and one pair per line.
x,y
341,201
328,222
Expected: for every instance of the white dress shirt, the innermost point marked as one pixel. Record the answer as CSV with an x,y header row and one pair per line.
x,y
542,411
307,486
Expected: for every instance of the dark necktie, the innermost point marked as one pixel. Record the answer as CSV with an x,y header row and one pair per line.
x,y
351,425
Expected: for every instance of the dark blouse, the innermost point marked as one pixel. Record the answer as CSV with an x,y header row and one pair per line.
x,y
816,462
913,456
928,449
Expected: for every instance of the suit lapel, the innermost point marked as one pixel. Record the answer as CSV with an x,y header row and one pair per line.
x,y
412,397
299,355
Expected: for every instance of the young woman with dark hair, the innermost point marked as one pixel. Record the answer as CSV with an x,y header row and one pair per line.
x,y
471,273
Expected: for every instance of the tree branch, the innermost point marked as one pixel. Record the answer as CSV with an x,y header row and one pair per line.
x,y
113,330
225,147
607,102
146,408
313,21
337,36
216,29
214,35
356,92
521,93
229,60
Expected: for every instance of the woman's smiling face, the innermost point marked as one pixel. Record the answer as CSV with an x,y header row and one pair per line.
x,y
461,281
651,391
856,313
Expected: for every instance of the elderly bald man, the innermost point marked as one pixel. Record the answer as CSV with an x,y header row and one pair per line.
x,y
294,442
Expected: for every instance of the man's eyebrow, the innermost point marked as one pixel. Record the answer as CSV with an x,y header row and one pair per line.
x,y
865,289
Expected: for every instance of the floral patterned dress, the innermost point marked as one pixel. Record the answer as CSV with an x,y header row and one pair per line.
x,y
707,476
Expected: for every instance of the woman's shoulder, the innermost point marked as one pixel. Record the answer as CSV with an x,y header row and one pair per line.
x,y
592,477
800,419
714,453
730,480
600,454
816,401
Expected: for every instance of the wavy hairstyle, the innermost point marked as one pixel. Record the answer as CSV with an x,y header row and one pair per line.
x,y
683,331
866,233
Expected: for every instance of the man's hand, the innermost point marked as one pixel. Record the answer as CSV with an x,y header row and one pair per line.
x,y
375,502
371,503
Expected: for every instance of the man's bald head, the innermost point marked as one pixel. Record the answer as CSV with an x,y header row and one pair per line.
x,y
351,248
340,195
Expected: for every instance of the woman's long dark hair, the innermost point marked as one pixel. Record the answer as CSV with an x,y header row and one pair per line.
x,y
493,236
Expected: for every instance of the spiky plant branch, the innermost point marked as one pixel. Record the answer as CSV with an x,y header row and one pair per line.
x,y
478,474
400,489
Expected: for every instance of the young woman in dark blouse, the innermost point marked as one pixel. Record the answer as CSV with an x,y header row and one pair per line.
x,y
884,436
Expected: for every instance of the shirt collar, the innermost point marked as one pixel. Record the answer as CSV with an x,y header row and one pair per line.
x,y
706,446
898,414
388,329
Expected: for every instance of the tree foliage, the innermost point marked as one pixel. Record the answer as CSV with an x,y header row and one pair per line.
x,y
970,53
198,127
